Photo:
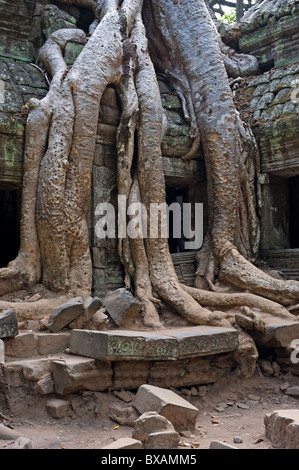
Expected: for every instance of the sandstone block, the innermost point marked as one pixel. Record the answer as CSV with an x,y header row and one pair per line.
x,y
282,428
73,374
17,373
278,332
23,345
91,306
178,411
57,408
123,414
8,324
150,422
122,306
220,445
162,440
45,385
65,314
164,345
22,443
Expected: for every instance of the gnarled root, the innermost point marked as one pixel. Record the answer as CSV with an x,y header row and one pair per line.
x,y
239,272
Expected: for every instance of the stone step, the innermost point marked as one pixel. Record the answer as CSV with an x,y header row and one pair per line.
x,y
28,344
160,345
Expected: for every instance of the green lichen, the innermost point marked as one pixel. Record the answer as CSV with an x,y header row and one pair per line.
x,y
10,153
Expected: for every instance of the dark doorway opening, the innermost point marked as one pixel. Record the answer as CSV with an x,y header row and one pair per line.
x,y
178,195
10,225
294,212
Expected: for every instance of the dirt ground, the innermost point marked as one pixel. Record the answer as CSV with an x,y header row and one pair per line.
x,y
227,410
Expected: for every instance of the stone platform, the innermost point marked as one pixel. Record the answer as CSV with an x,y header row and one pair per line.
x,y
162,345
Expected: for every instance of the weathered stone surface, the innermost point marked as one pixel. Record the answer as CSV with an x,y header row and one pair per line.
x,y
57,408
266,366
23,345
45,385
8,324
282,428
22,443
150,422
65,314
73,374
52,343
123,414
278,332
2,351
91,306
162,440
130,375
124,443
168,404
293,391
35,372
150,345
220,445
122,306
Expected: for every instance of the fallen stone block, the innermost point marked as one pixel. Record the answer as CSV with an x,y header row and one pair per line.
x,y
73,374
277,333
178,411
22,443
2,351
124,443
18,373
65,314
123,415
57,408
45,385
8,324
117,345
91,306
8,434
149,423
162,440
122,306
131,374
282,428
220,445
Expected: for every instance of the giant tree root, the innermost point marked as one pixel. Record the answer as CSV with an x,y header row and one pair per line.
x,y
230,300
239,272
